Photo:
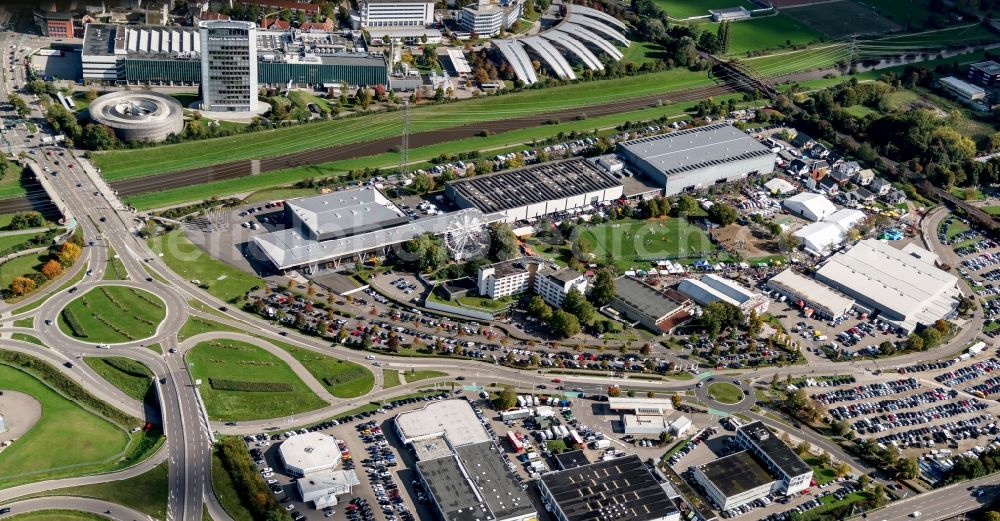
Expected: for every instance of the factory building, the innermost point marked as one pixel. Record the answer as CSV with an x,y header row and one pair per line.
x,y
396,13
156,55
810,296
228,66
810,206
459,463
963,90
618,488
904,288
654,309
536,191
712,288
698,158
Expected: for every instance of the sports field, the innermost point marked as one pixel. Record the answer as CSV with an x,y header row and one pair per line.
x,y
121,164
241,381
646,240
838,19
770,32
86,438
112,314
687,8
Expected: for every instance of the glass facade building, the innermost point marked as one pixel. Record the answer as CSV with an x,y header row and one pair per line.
x,y
228,66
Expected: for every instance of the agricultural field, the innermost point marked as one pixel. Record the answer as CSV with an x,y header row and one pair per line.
x,y
964,34
907,13
842,18
241,381
770,32
681,9
31,457
113,314
632,241
193,263
122,164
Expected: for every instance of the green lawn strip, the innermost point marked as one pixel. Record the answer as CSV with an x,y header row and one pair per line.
x,y
123,164
342,378
132,377
903,11
205,308
27,338
97,444
675,449
24,322
112,314
115,269
968,34
416,376
146,492
724,392
68,283
9,241
225,491
197,325
57,515
224,282
556,446
302,99
390,378
642,52
233,361
155,348
822,474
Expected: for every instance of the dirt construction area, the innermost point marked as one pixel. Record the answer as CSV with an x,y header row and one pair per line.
x,y
739,238
20,412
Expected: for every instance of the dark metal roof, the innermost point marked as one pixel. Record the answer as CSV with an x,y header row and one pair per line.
x,y
736,473
534,184
647,299
616,489
782,455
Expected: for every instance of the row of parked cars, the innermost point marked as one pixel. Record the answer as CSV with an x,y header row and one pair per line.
x,y
943,433
907,418
380,459
865,391
813,503
854,410
967,373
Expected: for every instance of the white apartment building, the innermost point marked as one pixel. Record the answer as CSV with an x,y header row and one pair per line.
x,y
517,276
554,286
396,13
487,17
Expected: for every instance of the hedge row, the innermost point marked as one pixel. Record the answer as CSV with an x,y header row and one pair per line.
x,y
74,324
249,484
221,384
128,366
62,384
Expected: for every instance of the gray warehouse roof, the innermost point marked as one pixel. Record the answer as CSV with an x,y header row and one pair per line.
x,y
782,455
695,148
645,298
534,184
455,495
497,485
620,488
736,473
347,212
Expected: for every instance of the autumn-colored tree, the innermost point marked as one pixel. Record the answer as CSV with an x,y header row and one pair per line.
x,y
22,286
68,253
52,269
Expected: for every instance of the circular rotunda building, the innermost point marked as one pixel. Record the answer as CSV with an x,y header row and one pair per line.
x,y
139,115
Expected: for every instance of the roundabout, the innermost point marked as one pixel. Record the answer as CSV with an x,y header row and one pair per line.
x,y
112,314
725,394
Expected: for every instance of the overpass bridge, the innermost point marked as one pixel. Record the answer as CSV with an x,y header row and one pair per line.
x,y
65,216
744,77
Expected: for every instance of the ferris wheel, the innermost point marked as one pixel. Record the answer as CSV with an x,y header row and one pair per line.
x,y
466,236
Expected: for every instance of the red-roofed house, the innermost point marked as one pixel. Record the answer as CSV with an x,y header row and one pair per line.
x,y
278,5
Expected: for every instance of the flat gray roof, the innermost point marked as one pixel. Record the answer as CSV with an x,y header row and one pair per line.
x,y
736,473
455,496
695,148
782,455
347,212
454,419
497,485
534,184
620,488
645,298
565,275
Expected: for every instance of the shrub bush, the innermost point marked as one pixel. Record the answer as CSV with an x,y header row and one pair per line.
x,y
221,384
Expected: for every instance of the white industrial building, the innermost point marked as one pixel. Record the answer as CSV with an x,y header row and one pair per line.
x,y
688,160
460,465
779,186
810,296
811,206
396,13
711,288
538,190
304,454
903,288
962,89
323,487
821,237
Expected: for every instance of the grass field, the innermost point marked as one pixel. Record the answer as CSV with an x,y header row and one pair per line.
x,y
225,491
113,314
914,13
191,262
642,52
839,19
132,377
689,8
390,378
632,240
416,376
123,164
21,266
769,32
197,325
968,34
146,492
63,424
242,362
57,515
9,241
725,392
517,139
342,378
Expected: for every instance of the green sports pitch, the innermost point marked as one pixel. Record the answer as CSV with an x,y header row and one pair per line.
x,y
631,241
